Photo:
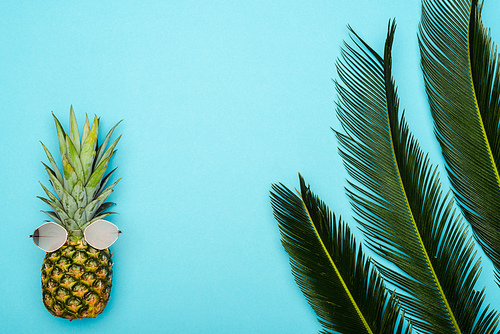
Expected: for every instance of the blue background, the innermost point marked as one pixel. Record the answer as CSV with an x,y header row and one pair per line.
x,y
219,100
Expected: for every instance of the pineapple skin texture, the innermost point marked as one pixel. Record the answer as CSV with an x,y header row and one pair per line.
x,y
76,280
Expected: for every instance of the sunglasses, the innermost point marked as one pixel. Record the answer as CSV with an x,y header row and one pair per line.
x,y
51,236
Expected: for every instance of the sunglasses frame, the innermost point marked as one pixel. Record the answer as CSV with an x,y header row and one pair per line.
x,y
84,236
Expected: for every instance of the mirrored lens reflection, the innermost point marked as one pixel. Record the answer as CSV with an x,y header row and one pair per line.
x,y
50,236
101,234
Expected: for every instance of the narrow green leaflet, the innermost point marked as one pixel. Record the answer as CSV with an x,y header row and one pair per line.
x,y
102,148
102,216
74,158
51,196
53,216
52,205
71,224
111,186
61,214
53,164
87,154
109,151
70,177
80,217
79,194
343,288
61,136
461,75
397,198
95,179
69,203
86,130
93,206
104,207
58,187
105,180
73,130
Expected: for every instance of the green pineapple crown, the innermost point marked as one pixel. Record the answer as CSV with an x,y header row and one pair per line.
x,y
81,188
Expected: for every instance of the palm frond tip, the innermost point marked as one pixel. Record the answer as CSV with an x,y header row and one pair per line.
x,y
343,288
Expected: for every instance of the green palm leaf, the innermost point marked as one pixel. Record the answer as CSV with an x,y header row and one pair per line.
x,y
399,203
343,288
461,77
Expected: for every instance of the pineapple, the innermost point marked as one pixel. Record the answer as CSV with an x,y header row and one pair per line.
x,y
76,279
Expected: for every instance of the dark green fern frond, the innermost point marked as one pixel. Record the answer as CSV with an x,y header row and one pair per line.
x,y
461,75
399,203
346,292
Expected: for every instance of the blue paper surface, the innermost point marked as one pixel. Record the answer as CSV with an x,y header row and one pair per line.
x,y
219,100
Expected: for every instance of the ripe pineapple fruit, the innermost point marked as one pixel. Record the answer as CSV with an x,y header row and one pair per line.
x,y
76,278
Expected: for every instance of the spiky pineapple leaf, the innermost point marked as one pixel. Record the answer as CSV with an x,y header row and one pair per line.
x,y
102,216
398,200
88,150
51,196
109,151
74,158
53,216
60,213
53,164
61,136
48,169
111,186
104,196
93,206
80,217
74,133
461,76
340,284
69,203
52,205
79,194
95,179
71,225
102,148
58,187
105,180
70,177
86,130
104,207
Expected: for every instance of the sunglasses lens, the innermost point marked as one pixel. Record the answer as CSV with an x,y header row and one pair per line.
x,y
50,236
101,234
